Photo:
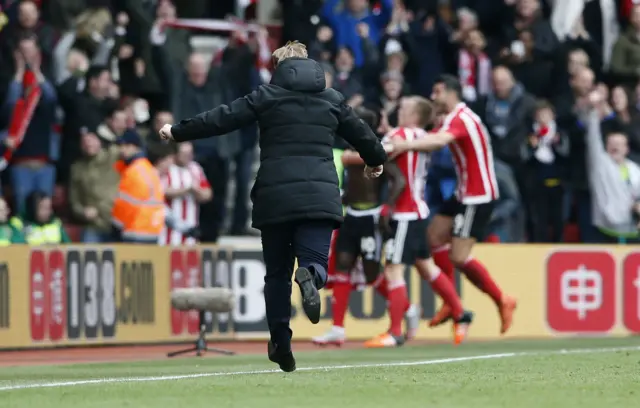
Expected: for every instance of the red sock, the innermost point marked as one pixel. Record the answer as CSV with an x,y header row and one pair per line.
x,y
381,286
340,302
398,305
443,286
441,258
479,276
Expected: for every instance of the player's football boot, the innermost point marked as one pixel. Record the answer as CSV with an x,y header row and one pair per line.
x,y
284,359
442,316
506,308
412,319
334,336
310,295
385,340
461,327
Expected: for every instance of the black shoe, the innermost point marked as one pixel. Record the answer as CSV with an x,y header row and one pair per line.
x,y
285,360
310,295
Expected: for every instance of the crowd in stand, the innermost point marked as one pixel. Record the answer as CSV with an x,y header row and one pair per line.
x,y
105,70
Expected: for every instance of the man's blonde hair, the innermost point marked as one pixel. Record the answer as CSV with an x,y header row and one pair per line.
x,y
292,49
424,109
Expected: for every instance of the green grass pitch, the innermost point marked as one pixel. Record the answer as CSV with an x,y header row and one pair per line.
x,y
565,373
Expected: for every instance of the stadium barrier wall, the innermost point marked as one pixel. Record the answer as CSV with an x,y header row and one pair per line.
x,y
119,294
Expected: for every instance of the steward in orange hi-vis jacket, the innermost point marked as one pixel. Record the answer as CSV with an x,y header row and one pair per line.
x,y
138,212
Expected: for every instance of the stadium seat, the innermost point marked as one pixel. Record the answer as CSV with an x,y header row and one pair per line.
x,y
492,239
74,231
60,202
571,233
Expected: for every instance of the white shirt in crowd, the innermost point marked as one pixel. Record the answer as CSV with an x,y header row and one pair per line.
x,y
185,209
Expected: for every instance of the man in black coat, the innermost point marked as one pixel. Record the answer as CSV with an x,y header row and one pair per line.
x,y
296,199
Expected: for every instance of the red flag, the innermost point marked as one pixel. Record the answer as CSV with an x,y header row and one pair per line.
x,y
22,114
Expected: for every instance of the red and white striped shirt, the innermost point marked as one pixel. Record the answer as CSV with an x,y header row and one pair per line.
x,y
186,208
410,204
472,156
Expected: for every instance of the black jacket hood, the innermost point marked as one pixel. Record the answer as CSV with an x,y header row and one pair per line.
x,y
299,75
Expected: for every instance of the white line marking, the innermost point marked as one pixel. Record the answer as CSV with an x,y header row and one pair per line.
x,y
450,360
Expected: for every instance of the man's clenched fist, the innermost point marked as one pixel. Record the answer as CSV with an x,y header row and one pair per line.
x,y
165,132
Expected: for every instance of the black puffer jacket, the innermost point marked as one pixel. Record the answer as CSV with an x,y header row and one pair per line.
x,y
298,120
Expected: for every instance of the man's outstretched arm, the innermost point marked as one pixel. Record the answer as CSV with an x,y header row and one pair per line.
x,y
361,137
218,121
429,143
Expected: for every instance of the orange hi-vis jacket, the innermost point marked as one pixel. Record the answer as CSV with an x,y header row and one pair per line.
x,y
139,209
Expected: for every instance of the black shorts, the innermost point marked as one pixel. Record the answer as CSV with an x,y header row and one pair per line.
x,y
360,236
407,242
469,220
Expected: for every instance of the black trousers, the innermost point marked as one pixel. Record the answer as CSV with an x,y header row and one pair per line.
x,y
546,212
213,213
309,242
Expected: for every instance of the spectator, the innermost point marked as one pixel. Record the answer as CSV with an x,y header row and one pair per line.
x,y
29,25
388,103
546,152
614,180
467,22
137,114
345,21
625,58
197,91
185,187
535,74
92,188
170,47
83,102
508,114
568,106
9,234
322,47
138,213
579,39
474,67
347,80
627,117
507,218
114,125
430,48
300,19
159,119
88,38
576,60
32,168
38,223
529,17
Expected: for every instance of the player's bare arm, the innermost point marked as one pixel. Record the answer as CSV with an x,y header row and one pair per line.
x,y
397,183
353,158
430,143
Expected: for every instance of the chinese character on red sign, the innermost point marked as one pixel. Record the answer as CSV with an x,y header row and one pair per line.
x,y
581,291
631,292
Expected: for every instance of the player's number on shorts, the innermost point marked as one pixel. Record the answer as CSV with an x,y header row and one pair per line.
x,y
388,248
368,247
458,223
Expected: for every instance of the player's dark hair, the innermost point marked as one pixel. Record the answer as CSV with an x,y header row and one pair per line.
x,y
368,116
451,83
